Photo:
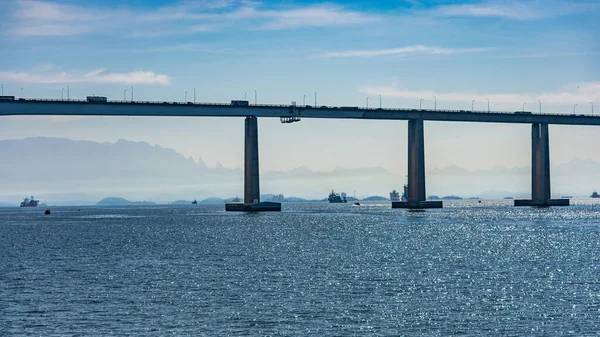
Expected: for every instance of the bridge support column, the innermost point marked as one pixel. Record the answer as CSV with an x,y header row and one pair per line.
x,y
251,176
540,170
416,170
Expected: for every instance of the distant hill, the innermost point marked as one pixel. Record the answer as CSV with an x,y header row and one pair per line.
x,y
375,198
181,202
64,171
116,201
213,200
57,166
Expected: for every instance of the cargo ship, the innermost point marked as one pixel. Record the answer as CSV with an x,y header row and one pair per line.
x,y
395,196
335,198
595,195
29,202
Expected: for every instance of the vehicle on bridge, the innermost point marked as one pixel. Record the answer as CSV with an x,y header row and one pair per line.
x,y
522,112
96,99
7,98
242,103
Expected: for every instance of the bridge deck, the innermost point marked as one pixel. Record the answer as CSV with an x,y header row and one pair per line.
x,y
36,107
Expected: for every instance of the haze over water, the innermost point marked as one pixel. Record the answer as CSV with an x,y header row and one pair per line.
x,y
314,269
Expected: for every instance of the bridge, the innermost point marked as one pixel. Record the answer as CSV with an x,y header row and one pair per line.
x,y
540,178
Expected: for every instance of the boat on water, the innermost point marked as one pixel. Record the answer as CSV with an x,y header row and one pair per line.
x,y
395,196
595,195
29,202
195,202
335,198
356,203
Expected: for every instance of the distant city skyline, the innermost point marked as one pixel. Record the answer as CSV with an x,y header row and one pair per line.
x,y
508,54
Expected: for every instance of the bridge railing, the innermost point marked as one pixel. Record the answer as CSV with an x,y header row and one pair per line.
x,y
304,107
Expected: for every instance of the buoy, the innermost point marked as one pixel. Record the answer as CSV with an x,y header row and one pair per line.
x,y
47,212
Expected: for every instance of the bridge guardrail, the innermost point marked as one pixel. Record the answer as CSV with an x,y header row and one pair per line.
x,y
305,107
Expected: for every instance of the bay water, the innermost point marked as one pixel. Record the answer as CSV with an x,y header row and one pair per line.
x,y
314,269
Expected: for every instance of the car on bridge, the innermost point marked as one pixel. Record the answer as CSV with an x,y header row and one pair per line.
x,y
7,98
239,103
522,112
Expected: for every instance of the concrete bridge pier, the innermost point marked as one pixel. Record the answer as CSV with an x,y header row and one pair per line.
x,y
416,170
540,170
251,176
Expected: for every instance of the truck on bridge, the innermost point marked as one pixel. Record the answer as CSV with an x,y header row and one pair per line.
x,y
96,99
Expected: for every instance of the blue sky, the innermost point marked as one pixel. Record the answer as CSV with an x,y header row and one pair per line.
x,y
509,52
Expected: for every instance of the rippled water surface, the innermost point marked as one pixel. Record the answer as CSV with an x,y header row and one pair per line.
x,y
314,269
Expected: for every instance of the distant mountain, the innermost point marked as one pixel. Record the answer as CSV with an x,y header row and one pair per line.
x,y
116,201
64,171
375,198
213,200
181,202
575,177
575,166
303,172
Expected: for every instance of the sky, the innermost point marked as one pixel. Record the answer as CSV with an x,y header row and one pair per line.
x,y
514,54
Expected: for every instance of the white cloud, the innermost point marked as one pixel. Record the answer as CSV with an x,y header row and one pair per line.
x,y
581,93
545,55
417,49
96,76
515,9
47,11
189,47
315,16
45,18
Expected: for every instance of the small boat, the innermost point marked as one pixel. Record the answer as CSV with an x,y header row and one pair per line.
x,y
47,212
595,195
195,202
356,203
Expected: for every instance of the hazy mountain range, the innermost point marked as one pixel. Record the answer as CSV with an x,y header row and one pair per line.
x,y
64,171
